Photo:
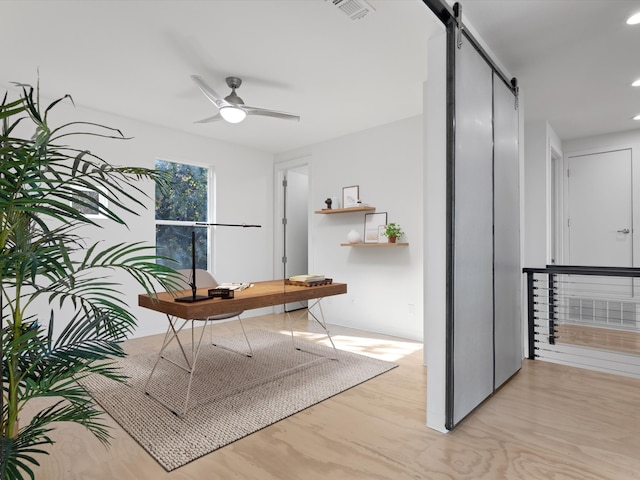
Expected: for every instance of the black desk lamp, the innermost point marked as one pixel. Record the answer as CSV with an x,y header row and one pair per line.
x,y
194,297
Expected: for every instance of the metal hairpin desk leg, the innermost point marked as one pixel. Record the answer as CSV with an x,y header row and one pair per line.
x,y
190,361
320,321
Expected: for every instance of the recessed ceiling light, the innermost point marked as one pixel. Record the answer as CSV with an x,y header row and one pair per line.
x,y
634,19
637,117
636,83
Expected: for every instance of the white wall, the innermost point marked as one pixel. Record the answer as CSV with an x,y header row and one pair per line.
x,y
385,287
629,138
539,140
435,264
244,194
385,284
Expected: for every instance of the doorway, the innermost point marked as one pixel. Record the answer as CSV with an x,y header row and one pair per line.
x,y
590,320
292,223
598,224
555,209
295,221
597,232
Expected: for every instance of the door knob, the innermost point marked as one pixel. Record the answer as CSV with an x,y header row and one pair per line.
x,y
624,230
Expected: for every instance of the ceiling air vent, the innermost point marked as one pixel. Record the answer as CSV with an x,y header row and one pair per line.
x,y
354,9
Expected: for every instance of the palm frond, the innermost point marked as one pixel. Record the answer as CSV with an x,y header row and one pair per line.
x,y
19,452
46,187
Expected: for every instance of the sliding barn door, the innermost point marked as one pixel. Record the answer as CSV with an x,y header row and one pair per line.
x,y
472,331
473,272
506,207
484,322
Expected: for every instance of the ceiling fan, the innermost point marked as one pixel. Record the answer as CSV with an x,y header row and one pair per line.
x,y
232,108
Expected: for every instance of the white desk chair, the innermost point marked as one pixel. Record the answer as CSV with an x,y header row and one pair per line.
x,y
203,280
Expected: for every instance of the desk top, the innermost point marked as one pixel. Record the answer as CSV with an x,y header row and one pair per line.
x,y
262,294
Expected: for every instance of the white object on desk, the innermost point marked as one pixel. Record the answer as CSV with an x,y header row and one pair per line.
x,y
235,286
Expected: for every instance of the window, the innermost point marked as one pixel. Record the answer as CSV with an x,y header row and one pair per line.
x,y
185,202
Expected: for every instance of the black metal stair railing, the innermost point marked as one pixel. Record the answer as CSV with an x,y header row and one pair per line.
x,y
585,316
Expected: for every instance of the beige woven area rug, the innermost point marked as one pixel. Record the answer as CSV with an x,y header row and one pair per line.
x,y
232,395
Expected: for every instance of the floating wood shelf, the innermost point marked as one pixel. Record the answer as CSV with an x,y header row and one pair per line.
x,y
397,244
328,211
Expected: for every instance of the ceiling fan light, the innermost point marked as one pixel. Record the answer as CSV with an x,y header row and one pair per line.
x,y
634,19
233,114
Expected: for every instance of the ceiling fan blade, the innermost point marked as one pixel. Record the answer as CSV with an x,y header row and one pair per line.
x,y
209,92
215,118
265,112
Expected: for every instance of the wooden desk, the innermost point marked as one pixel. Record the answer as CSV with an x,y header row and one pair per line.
x,y
262,294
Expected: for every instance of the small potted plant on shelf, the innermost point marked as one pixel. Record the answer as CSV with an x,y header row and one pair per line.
x,y
393,231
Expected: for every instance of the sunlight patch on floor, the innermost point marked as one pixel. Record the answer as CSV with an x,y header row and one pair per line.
x,y
380,348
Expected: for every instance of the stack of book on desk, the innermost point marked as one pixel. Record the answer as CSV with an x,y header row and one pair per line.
x,y
308,280
238,287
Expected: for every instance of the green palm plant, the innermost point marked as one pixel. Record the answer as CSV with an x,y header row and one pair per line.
x,y
45,188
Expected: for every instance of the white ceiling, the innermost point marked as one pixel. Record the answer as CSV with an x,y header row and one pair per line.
x,y
306,57
574,59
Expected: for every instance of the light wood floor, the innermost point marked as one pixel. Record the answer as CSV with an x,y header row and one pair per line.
x,y
602,338
549,422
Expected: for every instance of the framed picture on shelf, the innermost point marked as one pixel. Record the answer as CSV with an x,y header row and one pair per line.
x,y
350,196
372,224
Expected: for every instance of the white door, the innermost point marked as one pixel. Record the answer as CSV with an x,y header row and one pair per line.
x,y
296,222
296,226
600,233
600,230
